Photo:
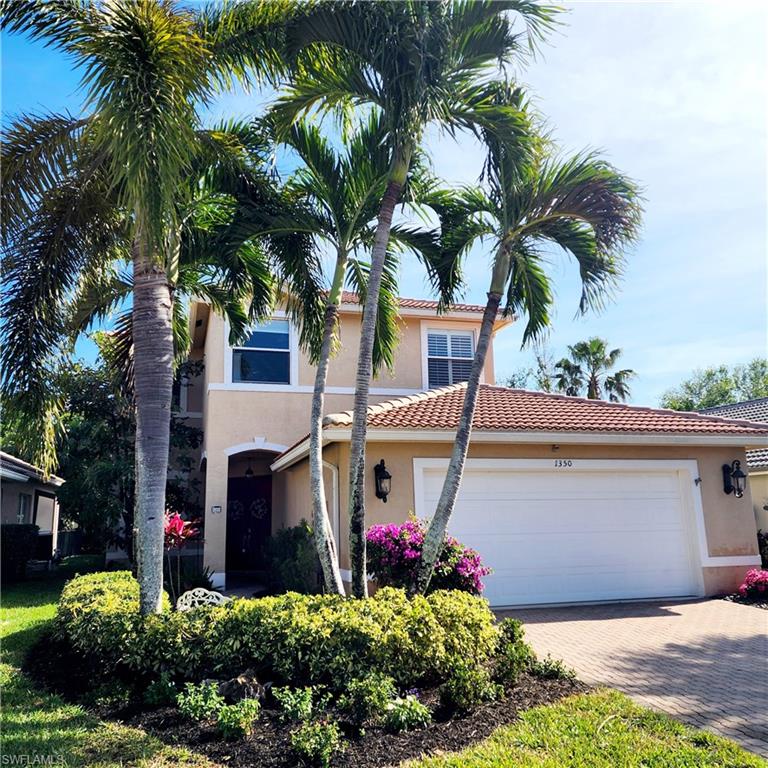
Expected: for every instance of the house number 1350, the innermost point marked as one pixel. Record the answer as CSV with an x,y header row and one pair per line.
x,y
563,463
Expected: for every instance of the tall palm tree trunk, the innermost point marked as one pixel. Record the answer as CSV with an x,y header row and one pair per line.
x,y
435,536
357,554
153,374
324,543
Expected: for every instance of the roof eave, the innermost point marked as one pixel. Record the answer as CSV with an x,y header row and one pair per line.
x,y
343,434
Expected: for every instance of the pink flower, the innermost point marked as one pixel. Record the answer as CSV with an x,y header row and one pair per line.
x,y
178,531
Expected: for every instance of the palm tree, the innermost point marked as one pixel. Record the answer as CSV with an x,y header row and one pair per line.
x,y
66,266
145,63
580,205
414,63
336,196
568,377
590,363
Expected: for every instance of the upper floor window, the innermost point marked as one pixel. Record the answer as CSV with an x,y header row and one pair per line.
x,y
265,357
449,357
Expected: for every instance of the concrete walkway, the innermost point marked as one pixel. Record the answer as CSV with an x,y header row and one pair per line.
x,y
703,662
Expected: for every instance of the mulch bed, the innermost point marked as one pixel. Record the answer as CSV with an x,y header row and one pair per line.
x,y
53,666
746,601
269,746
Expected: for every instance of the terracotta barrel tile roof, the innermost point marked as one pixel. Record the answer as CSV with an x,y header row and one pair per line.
x,y
500,409
347,297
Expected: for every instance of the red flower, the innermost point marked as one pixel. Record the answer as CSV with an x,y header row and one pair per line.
x,y
178,531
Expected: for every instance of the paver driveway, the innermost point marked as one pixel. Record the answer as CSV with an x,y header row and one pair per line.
x,y
704,662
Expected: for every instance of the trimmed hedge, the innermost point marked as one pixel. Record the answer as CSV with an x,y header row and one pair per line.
x,y
297,639
17,542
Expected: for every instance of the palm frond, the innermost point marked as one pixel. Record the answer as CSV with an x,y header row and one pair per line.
x,y
246,40
102,290
72,227
144,69
38,153
387,334
529,292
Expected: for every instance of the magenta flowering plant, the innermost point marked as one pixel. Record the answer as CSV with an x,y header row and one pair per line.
x,y
394,551
755,585
178,531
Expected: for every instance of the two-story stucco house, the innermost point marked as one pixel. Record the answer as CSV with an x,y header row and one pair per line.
x,y
567,499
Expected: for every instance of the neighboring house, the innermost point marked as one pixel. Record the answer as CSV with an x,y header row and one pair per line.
x,y
567,499
27,496
757,461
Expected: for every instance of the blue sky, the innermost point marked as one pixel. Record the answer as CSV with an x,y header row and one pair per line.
x,y
674,94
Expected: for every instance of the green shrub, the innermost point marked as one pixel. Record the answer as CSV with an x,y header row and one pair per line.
x,y
112,694
161,692
295,639
235,721
466,688
200,702
316,743
511,631
99,614
514,655
17,543
552,669
295,703
293,561
367,698
406,713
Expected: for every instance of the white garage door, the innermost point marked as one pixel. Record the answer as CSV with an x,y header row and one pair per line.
x,y
581,531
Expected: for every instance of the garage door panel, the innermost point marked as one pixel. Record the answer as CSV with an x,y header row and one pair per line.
x,y
563,484
546,517
571,536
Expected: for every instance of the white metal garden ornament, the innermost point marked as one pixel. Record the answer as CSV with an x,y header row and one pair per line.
x,y
199,597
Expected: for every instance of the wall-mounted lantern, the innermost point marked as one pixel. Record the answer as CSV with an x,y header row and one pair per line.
x,y
734,480
383,481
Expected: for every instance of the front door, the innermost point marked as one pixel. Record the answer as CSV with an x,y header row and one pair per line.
x,y
249,521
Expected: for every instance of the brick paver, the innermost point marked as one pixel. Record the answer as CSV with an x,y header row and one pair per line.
x,y
703,662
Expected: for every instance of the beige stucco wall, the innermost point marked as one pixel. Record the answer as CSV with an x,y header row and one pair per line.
x,y
758,485
406,372
729,522
236,416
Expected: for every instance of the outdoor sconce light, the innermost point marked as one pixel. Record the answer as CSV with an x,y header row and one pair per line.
x,y
383,481
733,479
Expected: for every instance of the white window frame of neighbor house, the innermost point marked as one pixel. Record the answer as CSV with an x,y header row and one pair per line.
x,y
24,513
456,329
257,386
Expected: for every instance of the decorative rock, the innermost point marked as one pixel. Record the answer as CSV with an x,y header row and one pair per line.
x,y
244,686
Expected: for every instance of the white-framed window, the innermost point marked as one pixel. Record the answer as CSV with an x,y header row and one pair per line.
x,y
449,357
265,357
24,514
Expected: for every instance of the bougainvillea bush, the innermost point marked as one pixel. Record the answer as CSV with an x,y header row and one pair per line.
x,y
394,552
755,585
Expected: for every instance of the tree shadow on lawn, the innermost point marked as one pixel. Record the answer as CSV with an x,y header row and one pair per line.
x,y
719,677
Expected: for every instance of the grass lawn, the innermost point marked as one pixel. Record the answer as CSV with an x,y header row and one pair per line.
x,y
42,727
601,729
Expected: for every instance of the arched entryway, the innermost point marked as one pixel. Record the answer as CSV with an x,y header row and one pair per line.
x,y
249,512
